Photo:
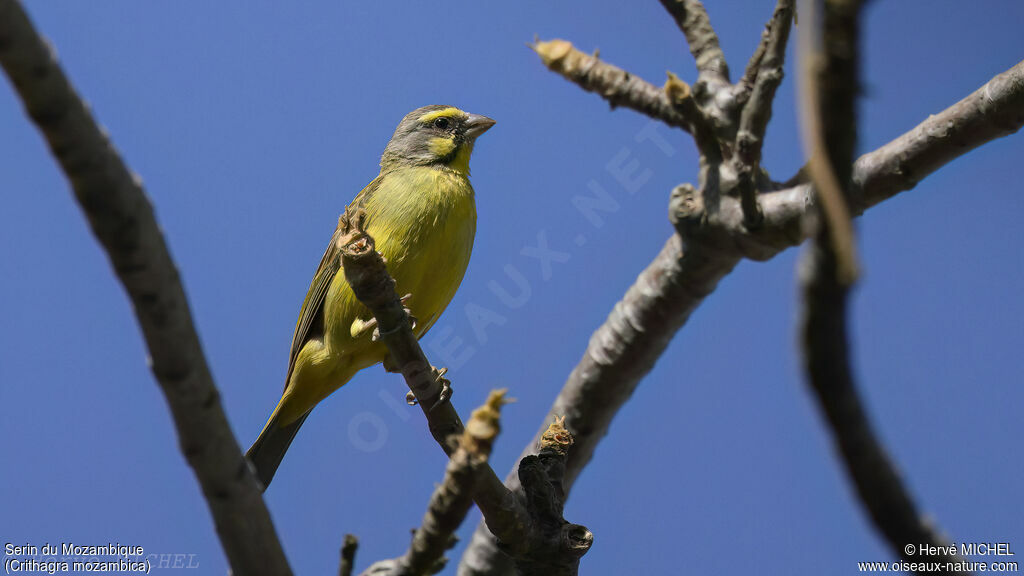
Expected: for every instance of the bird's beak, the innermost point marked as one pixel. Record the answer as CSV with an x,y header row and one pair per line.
x,y
477,125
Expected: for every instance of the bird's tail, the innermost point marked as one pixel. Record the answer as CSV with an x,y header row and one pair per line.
x,y
268,450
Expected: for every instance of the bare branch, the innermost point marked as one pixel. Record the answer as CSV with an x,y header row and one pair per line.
x,y
874,475
773,47
992,111
756,91
123,221
826,292
765,80
348,555
452,499
621,352
373,286
668,291
822,79
692,19
521,527
615,85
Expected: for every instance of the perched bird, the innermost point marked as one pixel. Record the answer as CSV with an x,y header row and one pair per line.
x,y
421,214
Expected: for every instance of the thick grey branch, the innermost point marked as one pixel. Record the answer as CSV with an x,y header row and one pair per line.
x,y
620,353
615,85
692,19
123,221
992,111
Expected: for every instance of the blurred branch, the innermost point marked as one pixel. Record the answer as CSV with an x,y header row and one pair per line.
x,y
826,292
874,475
615,85
692,19
348,555
122,219
828,89
517,521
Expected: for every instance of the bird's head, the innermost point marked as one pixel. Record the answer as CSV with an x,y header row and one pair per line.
x,y
440,136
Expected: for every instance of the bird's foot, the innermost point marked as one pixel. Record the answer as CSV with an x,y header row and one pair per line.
x,y
360,327
443,397
446,388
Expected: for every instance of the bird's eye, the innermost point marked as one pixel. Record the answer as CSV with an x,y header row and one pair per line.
x,y
441,123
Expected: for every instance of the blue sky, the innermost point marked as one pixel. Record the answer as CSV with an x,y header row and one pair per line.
x,y
253,125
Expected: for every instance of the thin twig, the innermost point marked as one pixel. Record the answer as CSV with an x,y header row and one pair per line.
x,y
770,53
615,85
757,107
453,497
692,19
348,555
122,219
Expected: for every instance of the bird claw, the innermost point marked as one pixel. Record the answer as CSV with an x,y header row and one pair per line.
x,y
446,388
413,321
442,398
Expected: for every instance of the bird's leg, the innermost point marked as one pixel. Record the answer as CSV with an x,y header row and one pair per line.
x,y
446,389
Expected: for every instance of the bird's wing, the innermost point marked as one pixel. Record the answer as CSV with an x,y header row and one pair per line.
x,y
311,317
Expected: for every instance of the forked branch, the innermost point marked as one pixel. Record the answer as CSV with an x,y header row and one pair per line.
x,y
624,349
519,523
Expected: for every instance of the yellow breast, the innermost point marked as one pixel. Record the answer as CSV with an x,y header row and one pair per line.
x,y
423,221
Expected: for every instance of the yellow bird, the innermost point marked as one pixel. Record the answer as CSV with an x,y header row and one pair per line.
x,y
421,213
